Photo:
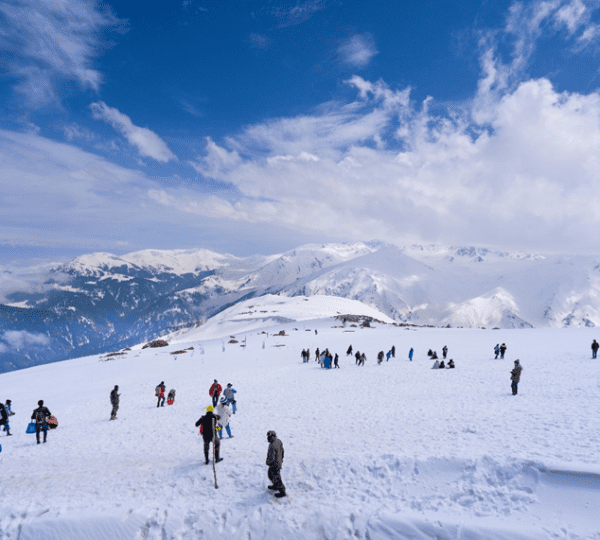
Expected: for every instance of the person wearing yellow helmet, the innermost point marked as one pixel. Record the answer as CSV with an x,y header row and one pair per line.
x,y
207,424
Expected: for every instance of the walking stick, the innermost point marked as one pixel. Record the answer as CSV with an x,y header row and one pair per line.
x,y
214,453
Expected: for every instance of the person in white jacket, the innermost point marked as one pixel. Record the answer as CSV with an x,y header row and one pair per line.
x,y
224,411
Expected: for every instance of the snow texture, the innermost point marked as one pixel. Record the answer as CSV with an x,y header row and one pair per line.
x,y
390,451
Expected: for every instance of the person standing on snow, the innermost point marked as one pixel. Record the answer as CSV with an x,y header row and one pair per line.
x,y
515,377
349,351
159,392
208,424
410,354
502,350
595,348
335,360
229,394
393,351
215,392
114,400
224,412
275,462
496,351
9,413
445,352
4,417
41,415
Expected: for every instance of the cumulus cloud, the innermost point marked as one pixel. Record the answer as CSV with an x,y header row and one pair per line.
x,y
358,50
44,41
16,339
148,143
385,167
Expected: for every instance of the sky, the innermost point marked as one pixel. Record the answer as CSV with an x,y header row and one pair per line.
x,y
256,126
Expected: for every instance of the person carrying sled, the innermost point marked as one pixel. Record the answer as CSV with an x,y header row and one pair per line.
x,y
208,427
275,462
114,401
214,392
224,412
40,416
159,392
171,397
595,348
515,377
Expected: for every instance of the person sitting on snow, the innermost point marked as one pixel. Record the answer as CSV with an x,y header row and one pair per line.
x,y
451,364
436,365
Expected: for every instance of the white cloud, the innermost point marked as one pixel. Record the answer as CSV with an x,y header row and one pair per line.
x,y
18,338
358,50
527,178
299,13
148,143
45,40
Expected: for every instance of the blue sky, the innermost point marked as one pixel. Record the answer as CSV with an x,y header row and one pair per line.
x,y
252,127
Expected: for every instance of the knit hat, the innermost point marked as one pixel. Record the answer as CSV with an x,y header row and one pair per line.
x,y
210,408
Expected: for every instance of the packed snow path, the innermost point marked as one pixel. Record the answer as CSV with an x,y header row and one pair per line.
x,y
378,452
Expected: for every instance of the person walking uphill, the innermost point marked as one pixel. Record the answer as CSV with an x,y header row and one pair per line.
x,y
160,394
515,376
595,348
114,400
230,392
274,462
208,428
41,415
215,392
4,418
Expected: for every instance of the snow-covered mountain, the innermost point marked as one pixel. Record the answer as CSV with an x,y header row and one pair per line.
x,y
102,301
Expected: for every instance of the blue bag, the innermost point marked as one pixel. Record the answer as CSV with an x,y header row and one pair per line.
x,y
31,427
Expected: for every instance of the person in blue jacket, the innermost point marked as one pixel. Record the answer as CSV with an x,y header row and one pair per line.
x,y
229,394
410,354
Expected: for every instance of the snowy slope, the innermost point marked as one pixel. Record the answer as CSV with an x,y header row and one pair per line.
x,y
395,451
101,301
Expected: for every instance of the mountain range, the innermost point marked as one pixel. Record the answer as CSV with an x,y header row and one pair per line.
x,y
100,301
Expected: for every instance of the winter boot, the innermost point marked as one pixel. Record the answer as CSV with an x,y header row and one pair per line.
x,y
280,494
271,487
218,459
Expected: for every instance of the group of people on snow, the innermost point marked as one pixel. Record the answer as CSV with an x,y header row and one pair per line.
x,y
499,350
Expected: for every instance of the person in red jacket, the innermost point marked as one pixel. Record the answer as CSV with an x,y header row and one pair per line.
x,y
160,394
215,392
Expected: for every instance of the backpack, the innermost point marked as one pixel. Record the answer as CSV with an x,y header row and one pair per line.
x,y
40,415
157,390
3,413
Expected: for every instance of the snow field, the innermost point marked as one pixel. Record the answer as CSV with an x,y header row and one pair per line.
x,y
379,452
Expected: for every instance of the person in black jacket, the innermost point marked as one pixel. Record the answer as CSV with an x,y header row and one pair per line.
x,y
208,430
114,400
274,462
4,418
41,415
